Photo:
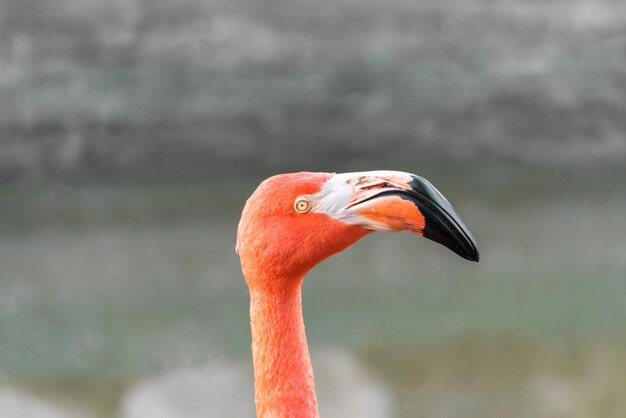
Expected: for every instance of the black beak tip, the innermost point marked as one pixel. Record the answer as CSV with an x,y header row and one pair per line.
x,y
465,246
443,224
473,256
456,238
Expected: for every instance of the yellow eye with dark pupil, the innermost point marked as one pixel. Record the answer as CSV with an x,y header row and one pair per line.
x,y
302,205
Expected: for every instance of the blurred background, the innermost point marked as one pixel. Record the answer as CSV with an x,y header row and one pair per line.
x,y
132,131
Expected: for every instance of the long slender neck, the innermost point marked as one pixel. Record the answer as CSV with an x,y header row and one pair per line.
x,y
283,375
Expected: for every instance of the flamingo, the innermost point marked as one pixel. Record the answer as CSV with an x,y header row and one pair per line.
x,y
294,221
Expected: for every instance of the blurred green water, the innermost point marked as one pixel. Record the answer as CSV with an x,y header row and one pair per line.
x,y
102,284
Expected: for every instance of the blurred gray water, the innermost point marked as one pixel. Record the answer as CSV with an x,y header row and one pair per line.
x,y
104,286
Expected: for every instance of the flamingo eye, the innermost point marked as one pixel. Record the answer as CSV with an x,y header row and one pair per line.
x,y
302,204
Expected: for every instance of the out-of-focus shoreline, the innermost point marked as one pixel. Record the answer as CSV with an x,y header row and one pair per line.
x,y
161,89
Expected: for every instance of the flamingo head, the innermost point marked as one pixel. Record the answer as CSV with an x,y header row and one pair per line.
x,y
294,221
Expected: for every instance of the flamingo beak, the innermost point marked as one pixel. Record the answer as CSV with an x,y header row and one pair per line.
x,y
395,201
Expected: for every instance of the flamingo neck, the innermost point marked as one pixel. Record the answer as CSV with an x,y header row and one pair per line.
x,y
283,375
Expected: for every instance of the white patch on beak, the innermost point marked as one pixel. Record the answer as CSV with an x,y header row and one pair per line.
x,y
339,193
